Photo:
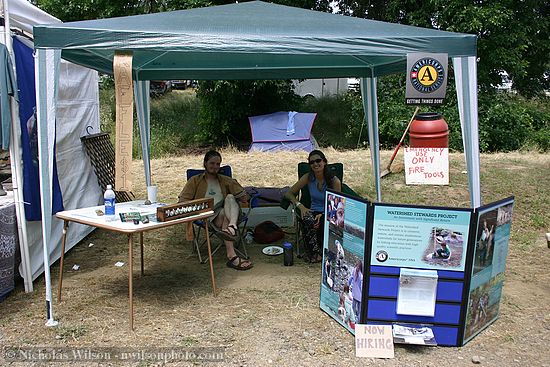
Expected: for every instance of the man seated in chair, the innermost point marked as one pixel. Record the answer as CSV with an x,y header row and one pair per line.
x,y
225,191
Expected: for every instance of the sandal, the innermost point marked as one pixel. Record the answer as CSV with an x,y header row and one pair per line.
x,y
226,235
239,265
234,228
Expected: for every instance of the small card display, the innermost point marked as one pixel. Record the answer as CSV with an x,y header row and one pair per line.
x,y
413,334
130,216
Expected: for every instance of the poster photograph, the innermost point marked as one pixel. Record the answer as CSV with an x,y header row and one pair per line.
x,y
420,237
343,258
483,306
491,250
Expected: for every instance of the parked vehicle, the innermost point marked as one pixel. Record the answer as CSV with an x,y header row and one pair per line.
x,y
159,87
318,88
180,84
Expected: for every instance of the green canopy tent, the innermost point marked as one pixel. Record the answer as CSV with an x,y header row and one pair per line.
x,y
253,40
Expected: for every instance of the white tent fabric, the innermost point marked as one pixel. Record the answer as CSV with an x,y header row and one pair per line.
x,y
46,111
143,109
370,106
466,90
77,108
24,15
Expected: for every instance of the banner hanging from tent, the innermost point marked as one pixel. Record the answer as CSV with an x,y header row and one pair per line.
x,y
24,64
427,78
122,66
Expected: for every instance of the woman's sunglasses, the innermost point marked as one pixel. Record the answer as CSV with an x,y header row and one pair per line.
x,y
315,161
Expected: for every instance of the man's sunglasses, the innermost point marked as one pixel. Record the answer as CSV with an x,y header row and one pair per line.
x,y
316,161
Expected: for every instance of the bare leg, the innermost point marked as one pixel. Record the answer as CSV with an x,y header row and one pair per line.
x,y
222,222
231,210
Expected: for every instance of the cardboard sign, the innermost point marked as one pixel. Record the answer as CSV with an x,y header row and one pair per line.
x,y
427,79
374,341
427,166
124,92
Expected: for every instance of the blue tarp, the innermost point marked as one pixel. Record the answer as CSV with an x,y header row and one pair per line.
x,y
24,63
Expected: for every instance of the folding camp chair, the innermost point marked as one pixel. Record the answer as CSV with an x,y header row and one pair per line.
x,y
304,197
199,225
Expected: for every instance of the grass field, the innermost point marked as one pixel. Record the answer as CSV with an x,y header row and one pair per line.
x,y
270,315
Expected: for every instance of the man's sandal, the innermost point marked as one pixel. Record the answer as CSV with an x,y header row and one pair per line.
x,y
239,265
234,228
226,235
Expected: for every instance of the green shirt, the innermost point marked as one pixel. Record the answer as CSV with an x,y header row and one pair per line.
x,y
7,88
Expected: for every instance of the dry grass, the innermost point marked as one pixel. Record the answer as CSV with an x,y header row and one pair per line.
x,y
270,315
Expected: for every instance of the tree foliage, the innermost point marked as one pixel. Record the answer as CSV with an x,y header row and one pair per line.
x,y
225,106
512,34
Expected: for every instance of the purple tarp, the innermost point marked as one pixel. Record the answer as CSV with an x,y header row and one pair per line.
x,y
282,131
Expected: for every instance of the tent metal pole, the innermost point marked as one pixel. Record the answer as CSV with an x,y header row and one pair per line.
x,y
45,113
15,165
370,107
466,89
143,109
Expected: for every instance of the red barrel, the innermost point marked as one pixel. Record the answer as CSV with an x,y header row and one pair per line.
x,y
429,130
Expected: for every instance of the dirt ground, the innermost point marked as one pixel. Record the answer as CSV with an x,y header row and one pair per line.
x,y
270,315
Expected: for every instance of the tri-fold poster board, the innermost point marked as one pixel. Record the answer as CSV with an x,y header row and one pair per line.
x,y
417,268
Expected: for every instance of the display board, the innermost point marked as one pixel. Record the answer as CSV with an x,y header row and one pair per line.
x,y
489,262
343,258
425,267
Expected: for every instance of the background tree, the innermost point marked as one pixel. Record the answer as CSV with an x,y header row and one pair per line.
x,y
512,35
226,105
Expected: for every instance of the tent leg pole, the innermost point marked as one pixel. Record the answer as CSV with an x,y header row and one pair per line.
x,y
15,159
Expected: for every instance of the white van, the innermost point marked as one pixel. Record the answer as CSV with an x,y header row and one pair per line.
x,y
321,87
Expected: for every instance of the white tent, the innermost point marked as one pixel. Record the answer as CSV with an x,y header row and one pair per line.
x,y
77,111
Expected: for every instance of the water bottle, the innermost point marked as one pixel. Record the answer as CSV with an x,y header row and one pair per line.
x,y
288,254
249,238
109,199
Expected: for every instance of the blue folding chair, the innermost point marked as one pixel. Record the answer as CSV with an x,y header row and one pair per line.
x,y
199,225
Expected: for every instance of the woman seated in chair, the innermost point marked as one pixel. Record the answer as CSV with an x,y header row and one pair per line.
x,y
317,181
225,191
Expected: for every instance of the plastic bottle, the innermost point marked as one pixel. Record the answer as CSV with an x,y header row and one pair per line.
x,y
249,238
288,254
109,199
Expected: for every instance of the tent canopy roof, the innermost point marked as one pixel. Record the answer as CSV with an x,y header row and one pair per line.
x,y
252,40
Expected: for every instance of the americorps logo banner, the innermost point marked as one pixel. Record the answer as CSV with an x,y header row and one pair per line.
x,y
426,79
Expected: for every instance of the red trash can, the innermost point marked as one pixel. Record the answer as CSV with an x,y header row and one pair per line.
x,y
429,130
